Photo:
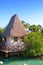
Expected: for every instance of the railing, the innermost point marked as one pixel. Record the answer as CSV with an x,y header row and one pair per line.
x,y
14,48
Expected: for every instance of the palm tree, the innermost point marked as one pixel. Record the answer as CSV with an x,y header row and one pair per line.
x,y
39,27
26,25
33,28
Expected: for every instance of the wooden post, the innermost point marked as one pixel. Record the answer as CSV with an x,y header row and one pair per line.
x,y
6,52
6,55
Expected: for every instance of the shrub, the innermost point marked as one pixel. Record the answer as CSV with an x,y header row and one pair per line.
x,y
34,44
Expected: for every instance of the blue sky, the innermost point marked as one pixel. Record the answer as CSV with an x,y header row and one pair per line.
x,y
31,11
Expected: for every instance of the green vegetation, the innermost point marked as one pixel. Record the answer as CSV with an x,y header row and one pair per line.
x,y
26,25
34,44
1,32
34,41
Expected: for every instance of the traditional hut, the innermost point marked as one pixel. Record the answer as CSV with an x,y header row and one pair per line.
x,y
12,37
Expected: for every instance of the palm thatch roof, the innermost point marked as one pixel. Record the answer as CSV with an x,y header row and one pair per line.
x,y
15,28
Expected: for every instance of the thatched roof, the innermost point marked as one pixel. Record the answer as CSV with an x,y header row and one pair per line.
x,y
15,28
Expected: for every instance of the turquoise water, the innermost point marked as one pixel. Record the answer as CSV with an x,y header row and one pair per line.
x,y
19,61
